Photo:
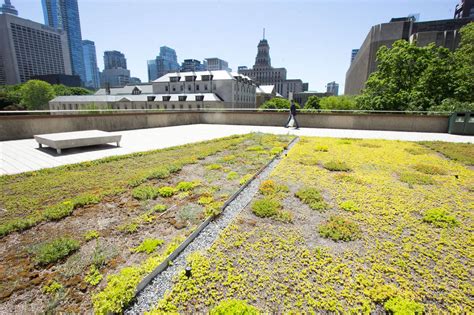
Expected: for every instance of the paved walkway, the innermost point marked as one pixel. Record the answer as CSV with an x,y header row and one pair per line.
x,y
24,155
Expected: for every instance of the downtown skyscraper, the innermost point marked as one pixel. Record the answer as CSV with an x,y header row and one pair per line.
x,y
165,62
90,65
64,15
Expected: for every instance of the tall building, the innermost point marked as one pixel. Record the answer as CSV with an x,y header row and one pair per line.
x,y
441,32
115,72
164,63
192,65
264,74
64,15
8,8
332,88
214,64
354,54
114,59
90,65
29,49
464,9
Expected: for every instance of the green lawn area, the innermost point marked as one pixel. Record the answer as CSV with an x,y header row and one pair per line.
x,y
346,226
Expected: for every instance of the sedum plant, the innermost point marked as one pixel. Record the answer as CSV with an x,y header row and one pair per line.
x,y
339,228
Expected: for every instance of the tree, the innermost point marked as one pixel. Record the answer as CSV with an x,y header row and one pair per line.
x,y
342,102
61,90
278,103
409,77
10,96
312,102
35,94
464,58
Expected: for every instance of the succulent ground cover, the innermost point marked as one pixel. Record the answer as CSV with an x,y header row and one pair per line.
x,y
94,230
382,243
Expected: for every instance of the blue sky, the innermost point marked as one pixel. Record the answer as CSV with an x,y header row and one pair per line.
x,y
312,39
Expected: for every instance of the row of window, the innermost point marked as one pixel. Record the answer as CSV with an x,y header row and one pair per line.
x,y
190,87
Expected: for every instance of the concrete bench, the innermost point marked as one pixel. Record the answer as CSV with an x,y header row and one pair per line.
x,y
65,140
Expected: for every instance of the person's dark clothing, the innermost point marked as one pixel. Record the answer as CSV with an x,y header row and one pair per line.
x,y
292,114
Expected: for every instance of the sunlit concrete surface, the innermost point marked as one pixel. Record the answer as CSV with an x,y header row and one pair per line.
x,y
25,155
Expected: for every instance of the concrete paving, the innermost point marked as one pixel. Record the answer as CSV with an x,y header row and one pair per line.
x,y
24,155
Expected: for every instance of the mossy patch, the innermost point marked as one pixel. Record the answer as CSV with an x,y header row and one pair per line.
x,y
339,228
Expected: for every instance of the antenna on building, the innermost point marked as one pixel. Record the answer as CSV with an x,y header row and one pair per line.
x,y
264,33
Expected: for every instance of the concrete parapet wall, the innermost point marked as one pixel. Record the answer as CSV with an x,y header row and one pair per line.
x,y
26,126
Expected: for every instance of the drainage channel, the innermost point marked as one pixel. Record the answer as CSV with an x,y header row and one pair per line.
x,y
155,290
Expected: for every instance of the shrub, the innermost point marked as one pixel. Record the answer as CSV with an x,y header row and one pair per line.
x,y
284,216
52,287
205,200
85,200
213,209
336,166
267,187
265,207
416,178
338,228
190,212
232,175
145,192
128,228
52,251
159,208
232,306
17,225
148,246
159,173
321,148
401,306
245,179
213,167
166,191
350,206
429,169
312,197
94,276
89,235
59,211
185,186
439,217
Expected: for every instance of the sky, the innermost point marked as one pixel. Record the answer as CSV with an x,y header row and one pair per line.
x,y
312,39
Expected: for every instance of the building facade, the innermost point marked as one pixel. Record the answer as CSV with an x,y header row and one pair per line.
x,y
8,8
152,70
28,49
192,65
332,88
354,54
264,74
173,91
90,65
442,33
64,15
464,9
214,64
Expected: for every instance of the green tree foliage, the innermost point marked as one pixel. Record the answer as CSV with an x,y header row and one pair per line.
x,y
432,78
278,103
35,94
10,96
312,102
61,90
342,102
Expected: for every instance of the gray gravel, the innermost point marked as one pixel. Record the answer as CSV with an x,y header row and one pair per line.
x,y
155,291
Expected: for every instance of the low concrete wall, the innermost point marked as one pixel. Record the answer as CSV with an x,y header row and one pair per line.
x,y
25,126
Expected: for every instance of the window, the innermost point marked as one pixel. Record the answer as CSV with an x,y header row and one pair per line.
x,y
205,87
150,98
166,88
166,98
197,87
181,87
182,98
175,79
199,98
172,106
181,106
190,78
189,87
174,88
165,106
190,106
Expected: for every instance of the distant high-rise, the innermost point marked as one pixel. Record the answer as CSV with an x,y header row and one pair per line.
x,y
354,54
164,63
192,65
90,65
333,88
464,9
29,49
114,59
8,8
64,15
115,72
264,74
214,64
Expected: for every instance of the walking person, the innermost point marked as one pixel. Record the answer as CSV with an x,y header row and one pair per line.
x,y
292,116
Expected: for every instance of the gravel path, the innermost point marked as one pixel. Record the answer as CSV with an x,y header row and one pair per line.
x,y
155,291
